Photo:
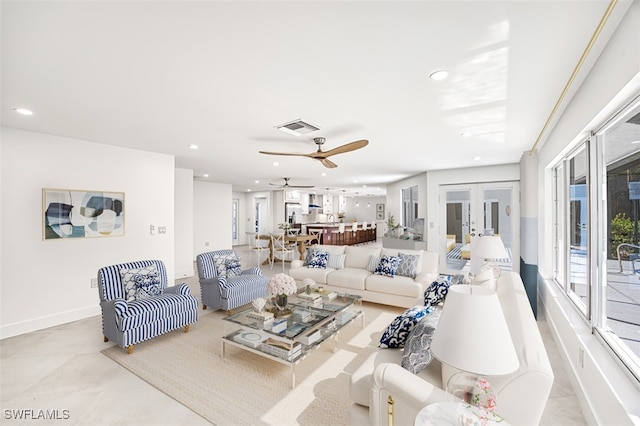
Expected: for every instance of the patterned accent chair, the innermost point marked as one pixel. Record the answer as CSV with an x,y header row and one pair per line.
x,y
137,304
224,285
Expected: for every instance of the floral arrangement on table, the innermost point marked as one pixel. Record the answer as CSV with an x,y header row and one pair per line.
x,y
284,226
282,284
483,405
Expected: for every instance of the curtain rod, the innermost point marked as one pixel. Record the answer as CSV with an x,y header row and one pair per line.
x,y
586,52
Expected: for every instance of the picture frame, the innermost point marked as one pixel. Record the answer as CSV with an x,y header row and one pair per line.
x,y
380,215
380,208
69,213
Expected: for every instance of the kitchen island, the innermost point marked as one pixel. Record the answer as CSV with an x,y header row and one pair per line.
x,y
328,237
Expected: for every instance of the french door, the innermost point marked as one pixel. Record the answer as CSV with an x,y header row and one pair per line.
x,y
473,210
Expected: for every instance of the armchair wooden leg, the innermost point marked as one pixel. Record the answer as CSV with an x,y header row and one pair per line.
x,y
204,307
186,328
229,311
130,349
106,339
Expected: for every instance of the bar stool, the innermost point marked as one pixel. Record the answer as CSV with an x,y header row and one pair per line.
x,y
337,236
362,233
352,235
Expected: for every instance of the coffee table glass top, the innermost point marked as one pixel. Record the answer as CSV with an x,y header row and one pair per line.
x,y
306,316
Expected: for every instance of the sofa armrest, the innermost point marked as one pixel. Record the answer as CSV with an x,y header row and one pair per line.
x,y
182,289
425,279
297,263
410,395
252,271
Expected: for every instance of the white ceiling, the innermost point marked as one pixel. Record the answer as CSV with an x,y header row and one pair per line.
x,y
159,76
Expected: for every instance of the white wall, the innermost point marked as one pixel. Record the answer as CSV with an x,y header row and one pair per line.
x,y
606,393
212,216
394,197
46,283
362,209
183,236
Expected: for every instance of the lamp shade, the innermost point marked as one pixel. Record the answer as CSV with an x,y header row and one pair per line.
x,y
489,247
472,333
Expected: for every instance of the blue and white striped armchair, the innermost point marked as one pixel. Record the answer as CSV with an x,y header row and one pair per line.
x,y
224,284
137,304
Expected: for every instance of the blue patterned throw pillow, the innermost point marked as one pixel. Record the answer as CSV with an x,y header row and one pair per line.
x,y
233,268
387,266
141,283
221,263
397,332
309,255
319,260
408,265
436,292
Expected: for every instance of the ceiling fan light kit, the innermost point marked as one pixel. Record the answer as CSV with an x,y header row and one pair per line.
x,y
323,156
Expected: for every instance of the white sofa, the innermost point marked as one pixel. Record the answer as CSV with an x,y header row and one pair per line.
x,y
521,395
354,278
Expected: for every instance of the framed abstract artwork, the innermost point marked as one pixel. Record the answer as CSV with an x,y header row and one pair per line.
x,y
69,213
380,215
380,208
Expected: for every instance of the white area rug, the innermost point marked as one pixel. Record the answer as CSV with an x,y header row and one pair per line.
x,y
246,389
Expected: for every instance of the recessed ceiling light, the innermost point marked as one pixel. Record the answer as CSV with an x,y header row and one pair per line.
x,y
439,75
275,163
23,111
635,142
323,174
206,175
476,158
193,146
248,190
256,181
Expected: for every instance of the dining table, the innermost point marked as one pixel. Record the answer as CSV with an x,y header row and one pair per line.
x,y
299,239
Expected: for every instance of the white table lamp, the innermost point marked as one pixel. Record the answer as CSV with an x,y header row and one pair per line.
x,y
490,248
472,333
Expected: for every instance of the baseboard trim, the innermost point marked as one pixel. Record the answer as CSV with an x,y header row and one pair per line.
x,y
40,323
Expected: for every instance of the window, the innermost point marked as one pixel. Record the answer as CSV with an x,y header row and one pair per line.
x,y
409,206
597,244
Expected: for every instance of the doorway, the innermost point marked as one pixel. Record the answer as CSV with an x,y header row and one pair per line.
x,y
260,209
473,210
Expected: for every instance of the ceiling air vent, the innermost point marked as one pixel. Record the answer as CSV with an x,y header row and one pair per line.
x,y
297,127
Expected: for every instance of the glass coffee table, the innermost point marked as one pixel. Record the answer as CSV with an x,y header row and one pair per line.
x,y
290,339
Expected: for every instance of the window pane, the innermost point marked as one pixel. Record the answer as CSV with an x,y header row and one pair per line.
x,y
577,227
621,312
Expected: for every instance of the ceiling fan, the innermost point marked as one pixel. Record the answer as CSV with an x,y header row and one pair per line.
x,y
287,186
323,156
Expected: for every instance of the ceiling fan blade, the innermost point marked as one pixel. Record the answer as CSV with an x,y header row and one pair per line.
x,y
328,163
342,149
300,186
284,153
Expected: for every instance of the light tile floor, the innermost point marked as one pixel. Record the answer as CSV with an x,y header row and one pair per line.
x,y
61,368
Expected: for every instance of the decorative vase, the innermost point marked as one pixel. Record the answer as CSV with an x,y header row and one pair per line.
x,y
281,301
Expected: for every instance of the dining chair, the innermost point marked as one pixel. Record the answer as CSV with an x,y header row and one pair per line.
x,y
316,235
280,247
257,245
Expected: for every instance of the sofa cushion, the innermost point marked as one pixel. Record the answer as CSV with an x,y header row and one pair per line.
x,y
348,278
387,266
318,260
140,283
336,261
358,257
319,275
408,264
417,350
331,249
397,332
401,286
436,292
